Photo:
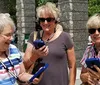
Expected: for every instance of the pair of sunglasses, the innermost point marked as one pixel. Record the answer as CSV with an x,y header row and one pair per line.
x,y
47,19
93,30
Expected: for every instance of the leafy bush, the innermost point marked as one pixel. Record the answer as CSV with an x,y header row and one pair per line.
x,y
93,7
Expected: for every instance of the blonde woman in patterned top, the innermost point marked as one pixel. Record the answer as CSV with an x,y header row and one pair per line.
x,y
88,76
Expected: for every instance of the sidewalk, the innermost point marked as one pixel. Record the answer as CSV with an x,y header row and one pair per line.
x,y
78,81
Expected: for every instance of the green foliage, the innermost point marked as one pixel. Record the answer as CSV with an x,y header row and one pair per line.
x,y
41,2
93,7
11,7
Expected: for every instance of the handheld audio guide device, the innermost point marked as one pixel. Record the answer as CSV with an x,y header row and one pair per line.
x,y
93,61
38,43
39,72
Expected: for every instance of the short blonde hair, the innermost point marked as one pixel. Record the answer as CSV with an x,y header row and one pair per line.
x,y
52,9
5,20
94,21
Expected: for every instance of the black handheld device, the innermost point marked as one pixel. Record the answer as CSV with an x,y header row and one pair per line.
x,y
38,43
93,61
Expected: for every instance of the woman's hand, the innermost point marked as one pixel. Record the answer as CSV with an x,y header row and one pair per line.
x,y
43,51
95,74
86,77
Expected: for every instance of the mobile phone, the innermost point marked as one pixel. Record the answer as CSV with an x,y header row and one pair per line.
x,y
93,61
41,70
38,43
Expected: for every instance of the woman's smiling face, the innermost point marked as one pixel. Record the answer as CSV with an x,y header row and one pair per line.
x,y
6,37
96,37
47,20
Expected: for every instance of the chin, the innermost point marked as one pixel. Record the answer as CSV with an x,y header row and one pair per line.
x,y
6,46
46,29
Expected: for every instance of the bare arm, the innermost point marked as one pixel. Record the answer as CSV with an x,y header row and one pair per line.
x,y
28,54
32,54
23,76
72,65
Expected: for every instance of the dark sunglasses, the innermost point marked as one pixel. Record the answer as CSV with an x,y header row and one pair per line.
x,y
47,19
93,30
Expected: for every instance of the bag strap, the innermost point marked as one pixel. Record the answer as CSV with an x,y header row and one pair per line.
x,y
37,34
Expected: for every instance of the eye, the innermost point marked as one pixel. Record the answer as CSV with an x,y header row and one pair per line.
x,y
9,34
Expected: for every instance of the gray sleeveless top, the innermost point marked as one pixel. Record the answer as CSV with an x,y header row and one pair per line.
x,y
57,72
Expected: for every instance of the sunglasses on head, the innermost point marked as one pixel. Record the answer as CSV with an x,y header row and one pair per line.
x,y
93,30
47,19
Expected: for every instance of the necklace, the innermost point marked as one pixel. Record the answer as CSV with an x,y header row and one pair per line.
x,y
51,36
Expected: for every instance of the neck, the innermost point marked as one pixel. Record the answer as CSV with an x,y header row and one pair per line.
x,y
2,55
47,36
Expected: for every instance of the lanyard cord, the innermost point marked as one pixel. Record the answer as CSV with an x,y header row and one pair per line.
x,y
51,36
5,67
15,76
14,69
8,69
11,65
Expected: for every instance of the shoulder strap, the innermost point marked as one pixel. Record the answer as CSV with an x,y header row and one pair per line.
x,y
37,35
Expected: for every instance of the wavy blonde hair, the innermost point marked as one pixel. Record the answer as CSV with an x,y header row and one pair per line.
x,y
51,8
6,20
94,21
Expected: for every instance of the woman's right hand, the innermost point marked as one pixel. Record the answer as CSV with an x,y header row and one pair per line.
x,y
32,54
95,74
86,77
43,51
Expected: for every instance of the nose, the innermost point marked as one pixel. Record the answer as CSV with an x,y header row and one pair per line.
x,y
45,22
11,38
97,32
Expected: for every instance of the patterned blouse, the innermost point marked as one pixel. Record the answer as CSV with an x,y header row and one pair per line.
x,y
90,52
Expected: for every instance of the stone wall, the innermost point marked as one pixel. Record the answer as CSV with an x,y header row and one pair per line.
x,y
25,20
3,6
73,19
74,14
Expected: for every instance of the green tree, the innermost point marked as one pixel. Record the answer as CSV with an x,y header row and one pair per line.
x,y
11,8
41,2
93,7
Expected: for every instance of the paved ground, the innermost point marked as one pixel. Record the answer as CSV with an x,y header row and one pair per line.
x,y
78,81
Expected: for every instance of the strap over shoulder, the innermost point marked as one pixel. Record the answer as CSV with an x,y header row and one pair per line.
x,y
37,34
